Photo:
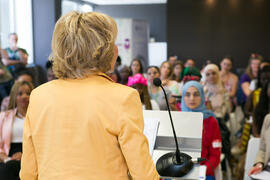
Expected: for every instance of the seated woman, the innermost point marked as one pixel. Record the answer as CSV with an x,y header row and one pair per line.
x,y
246,79
155,92
215,93
124,72
189,74
22,75
263,155
261,110
218,101
256,107
166,72
229,79
136,67
140,83
254,97
178,67
11,128
193,101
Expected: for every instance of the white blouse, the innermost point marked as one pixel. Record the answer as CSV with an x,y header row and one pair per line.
x,y
17,130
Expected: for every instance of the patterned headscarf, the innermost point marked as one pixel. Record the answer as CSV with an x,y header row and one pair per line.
x,y
190,74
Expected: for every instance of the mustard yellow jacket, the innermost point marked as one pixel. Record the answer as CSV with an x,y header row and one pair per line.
x,y
85,129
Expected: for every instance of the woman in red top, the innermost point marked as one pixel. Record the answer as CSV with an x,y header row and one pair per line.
x,y
193,101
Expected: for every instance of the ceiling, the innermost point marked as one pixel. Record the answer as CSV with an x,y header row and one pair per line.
x,y
125,2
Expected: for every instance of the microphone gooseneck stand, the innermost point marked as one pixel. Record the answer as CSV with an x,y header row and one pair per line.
x,y
172,164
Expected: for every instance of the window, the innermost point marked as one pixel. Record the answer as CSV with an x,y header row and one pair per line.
x,y
69,5
14,18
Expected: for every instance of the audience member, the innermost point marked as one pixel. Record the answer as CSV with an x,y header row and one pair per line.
x,y
254,97
50,74
217,99
23,75
136,67
261,110
166,72
13,56
156,93
215,93
189,74
11,128
190,63
178,67
172,60
193,100
139,83
114,75
263,155
229,79
118,62
5,81
124,72
250,74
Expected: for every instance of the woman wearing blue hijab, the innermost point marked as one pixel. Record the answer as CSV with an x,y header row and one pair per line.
x,y
193,101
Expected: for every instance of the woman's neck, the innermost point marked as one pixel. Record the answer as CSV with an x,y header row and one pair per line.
x,y
254,73
224,72
13,48
163,77
21,111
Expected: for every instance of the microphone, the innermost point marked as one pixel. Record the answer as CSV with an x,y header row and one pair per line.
x,y
172,164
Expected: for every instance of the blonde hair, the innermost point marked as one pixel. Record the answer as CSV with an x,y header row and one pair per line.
x,y
83,44
14,91
253,56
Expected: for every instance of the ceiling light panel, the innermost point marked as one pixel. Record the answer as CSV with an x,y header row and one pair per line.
x,y
125,2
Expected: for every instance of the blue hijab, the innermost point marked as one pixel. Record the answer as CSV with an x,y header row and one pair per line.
x,y
201,108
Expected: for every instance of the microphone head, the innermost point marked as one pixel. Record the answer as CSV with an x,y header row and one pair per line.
x,y
157,82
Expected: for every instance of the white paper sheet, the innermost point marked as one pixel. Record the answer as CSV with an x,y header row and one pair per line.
x,y
150,131
264,175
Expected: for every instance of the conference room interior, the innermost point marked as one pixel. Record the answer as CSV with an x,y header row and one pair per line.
x,y
222,44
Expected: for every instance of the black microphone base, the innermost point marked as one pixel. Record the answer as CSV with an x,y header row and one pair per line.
x,y
167,165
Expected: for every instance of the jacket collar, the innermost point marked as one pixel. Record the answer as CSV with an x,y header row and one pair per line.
x,y
104,75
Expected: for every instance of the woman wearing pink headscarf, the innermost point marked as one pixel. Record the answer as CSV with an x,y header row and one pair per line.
x,y
140,83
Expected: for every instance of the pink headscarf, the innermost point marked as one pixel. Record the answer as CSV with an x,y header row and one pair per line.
x,y
137,79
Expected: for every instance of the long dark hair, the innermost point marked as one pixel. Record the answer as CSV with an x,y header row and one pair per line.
x,y
174,77
141,65
262,108
265,69
145,98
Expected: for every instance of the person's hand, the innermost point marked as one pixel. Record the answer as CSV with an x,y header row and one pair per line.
x,y
2,72
23,57
173,103
3,156
17,156
256,169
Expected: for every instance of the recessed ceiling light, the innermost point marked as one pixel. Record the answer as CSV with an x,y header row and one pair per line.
x,y
124,2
